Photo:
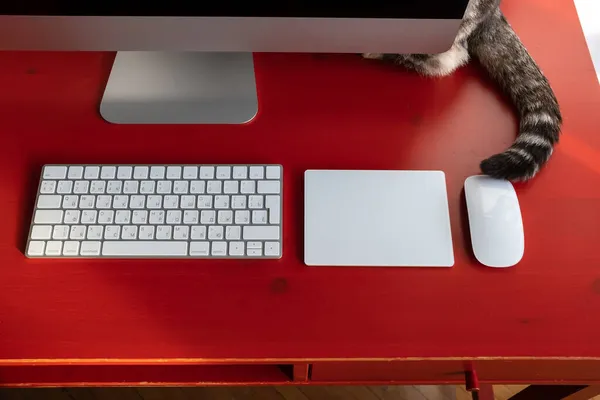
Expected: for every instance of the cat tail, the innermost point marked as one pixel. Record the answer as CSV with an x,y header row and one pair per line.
x,y
500,51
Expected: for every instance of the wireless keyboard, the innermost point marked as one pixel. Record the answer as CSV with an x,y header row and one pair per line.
x,y
156,211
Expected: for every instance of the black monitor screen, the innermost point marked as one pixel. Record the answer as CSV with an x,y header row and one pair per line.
x,y
435,9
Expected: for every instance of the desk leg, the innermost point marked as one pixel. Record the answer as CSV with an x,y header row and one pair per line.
x,y
557,392
301,372
486,392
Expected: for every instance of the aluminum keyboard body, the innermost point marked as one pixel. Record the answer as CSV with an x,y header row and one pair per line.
x,y
158,211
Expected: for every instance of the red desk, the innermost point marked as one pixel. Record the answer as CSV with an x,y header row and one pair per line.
x,y
75,322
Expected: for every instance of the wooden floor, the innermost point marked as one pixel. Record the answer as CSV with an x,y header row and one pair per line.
x,y
266,393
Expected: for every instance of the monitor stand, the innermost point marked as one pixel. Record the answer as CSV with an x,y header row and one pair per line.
x,y
180,88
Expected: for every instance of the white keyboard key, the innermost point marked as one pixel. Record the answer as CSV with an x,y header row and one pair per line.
x,y
197,187
223,172
92,248
215,232
236,248
199,248
238,202
171,201
131,187
146,232
174,216
122,216
190,172
213,187
60,232
219,249
54,172
242,217
221,202
248,187
108,172
120,201
268,232
273,172
231,187
70,201
114,187
124,172
173,172
75,172
205,201
257,172
147,187
154,202
49,201
48,216
41,232
64,187
255,201
140,172
137,201
240,172
77,232
112,232
95,232
87,201
89,216
103,202
72,216
188,202
269,187
254,252
273,204
139,217
180,187
53,248
129,232
191,217
259,217
164,187
106,217
272,249
81,187
36,248
157,217
145,249
91,172
48,187
97,187
207,172
71,248
225,217
198,232
157,172
233,232
181,232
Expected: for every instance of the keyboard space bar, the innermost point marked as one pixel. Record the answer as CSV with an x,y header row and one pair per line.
x,y
145,248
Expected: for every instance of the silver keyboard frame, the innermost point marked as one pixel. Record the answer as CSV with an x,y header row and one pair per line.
x,y
209,257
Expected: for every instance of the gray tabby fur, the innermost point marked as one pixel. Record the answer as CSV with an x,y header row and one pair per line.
x,y
486,36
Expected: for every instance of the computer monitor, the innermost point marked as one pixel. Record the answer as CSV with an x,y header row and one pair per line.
x,y
182,64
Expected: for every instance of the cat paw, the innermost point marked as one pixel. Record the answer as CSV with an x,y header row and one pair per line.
x,y
511,166
373,56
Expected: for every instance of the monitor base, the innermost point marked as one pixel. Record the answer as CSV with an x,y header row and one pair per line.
x,y
180,88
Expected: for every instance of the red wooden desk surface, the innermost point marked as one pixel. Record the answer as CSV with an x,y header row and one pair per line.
x,y
316,112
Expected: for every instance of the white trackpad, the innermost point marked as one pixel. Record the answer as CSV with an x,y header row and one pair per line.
x,y
377,218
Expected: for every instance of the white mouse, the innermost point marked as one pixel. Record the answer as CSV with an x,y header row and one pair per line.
x,y
495,221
